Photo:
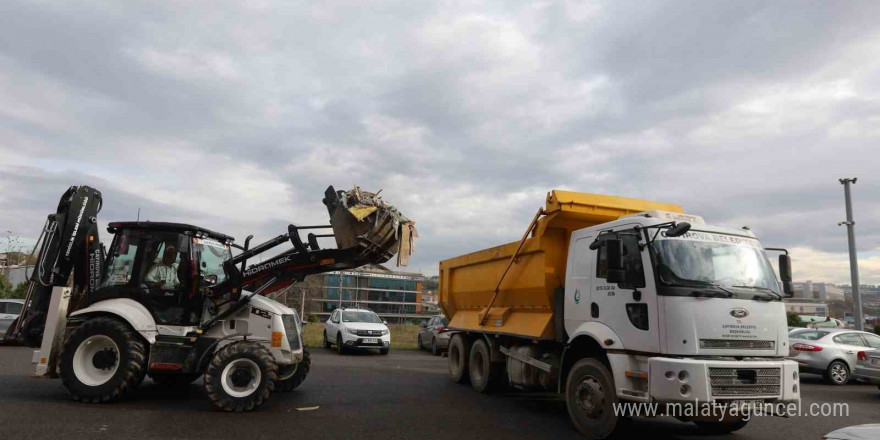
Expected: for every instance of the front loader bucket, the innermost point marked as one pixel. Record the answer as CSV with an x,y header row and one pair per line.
x,y
364,223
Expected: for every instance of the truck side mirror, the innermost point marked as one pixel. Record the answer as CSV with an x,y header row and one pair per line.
x,y
678,229
785,275
614,261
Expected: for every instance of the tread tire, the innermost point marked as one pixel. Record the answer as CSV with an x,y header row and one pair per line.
x,y
302,371
132,360
213,376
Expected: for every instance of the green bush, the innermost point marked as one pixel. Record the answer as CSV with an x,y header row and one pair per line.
x,y
794,320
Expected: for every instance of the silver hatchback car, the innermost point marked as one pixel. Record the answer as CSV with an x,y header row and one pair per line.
x,y
831,352
9,311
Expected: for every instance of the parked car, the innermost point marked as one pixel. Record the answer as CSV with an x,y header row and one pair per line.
x,y
434,335
831,352
858,432
868,367
356,328
9,311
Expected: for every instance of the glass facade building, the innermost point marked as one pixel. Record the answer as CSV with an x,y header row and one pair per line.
x,y
395,296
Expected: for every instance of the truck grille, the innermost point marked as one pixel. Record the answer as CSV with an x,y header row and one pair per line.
x,y
736,344
737,382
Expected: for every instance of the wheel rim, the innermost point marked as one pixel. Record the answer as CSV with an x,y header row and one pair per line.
x,y
590,397
838,373
241,377
283,374
96,360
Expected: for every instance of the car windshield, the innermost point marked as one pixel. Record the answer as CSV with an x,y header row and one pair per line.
x,y
708,259
356,316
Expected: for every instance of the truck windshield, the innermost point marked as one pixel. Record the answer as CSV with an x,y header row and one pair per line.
x,y
734,265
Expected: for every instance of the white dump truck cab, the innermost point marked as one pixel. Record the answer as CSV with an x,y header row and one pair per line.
x,y
683,314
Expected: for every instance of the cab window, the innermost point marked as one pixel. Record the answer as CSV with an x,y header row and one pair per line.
x,y
210,255
632,262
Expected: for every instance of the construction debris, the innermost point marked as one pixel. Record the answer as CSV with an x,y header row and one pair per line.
x,y
362,218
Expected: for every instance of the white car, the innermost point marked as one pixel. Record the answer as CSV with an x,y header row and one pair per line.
x,y
9,311
356,328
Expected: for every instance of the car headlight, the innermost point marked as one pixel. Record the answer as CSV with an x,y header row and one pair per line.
x,y
385,331
352,331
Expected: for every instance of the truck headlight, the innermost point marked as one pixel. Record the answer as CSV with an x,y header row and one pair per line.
x,y
352,331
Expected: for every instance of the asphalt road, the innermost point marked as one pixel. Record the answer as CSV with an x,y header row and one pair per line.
x,y
405,395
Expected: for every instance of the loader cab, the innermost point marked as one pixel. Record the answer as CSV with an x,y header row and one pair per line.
x,y
162,266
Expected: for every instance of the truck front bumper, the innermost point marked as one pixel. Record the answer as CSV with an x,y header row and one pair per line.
x,y
709,380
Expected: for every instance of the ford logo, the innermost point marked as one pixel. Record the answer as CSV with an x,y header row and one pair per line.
x,y
739,313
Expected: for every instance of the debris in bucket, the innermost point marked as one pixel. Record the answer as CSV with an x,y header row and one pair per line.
x,y
362,219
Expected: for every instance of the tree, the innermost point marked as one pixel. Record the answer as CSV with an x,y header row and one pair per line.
x,y
5,287
794,320
20,291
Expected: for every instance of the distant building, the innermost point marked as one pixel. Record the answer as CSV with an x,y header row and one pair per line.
x,y
394,296
807,308
818,291
16,274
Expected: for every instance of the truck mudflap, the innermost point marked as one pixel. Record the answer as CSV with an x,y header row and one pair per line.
x,y
708,380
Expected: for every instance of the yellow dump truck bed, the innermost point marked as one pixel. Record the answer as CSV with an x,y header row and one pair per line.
x,y
524,304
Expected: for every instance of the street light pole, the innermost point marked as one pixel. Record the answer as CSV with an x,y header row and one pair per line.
x,y
853,261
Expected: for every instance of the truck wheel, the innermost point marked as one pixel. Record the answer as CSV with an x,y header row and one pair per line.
x,y
459,349
590,396
175,380
837,373
102,360
483,374
723,427
291,376
326,342
241,376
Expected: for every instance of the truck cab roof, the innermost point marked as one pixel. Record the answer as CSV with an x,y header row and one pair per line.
x,y
170,227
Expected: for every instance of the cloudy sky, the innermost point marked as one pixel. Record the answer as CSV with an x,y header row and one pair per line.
x,y
237,116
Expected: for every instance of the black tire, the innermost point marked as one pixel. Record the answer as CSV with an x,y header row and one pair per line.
x,y
590,397
384,351
326,341
837,373
175,380
253,357
723,427
483,374
434,349
421,346
287,381
459,350
129,360
339,347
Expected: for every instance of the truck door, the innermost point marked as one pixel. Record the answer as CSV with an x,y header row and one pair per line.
x,y
577,295
628,308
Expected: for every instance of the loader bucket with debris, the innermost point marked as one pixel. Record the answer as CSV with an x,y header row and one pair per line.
x,y
363,222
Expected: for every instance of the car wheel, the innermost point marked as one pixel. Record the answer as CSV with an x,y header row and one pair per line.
x,y
421,347
326,341
434,349
339,348
241,376
837,373
384,351
102,360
